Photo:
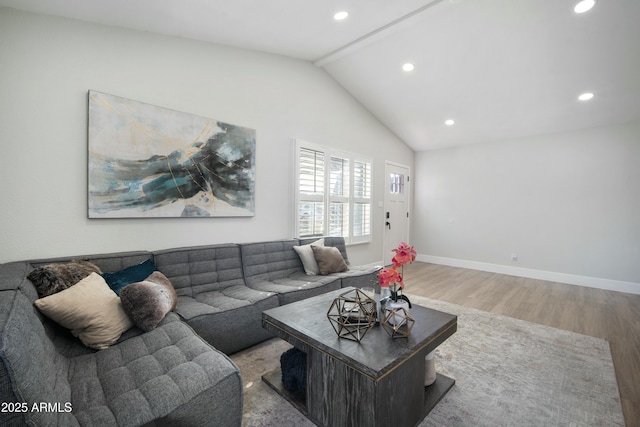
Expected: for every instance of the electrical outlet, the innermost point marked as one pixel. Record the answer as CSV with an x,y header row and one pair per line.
x,y
514,257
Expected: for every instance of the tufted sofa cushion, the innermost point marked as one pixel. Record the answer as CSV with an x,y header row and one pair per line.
x,y
270,261
199,269
212,296
276,267
149,376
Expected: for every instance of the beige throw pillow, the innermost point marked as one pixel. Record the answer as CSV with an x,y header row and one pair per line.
x,y
308,259
329,259
90,309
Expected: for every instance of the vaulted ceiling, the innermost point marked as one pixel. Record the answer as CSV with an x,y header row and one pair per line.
x,y
500,69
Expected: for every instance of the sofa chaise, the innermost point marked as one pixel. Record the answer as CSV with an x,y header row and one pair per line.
x,y
175,374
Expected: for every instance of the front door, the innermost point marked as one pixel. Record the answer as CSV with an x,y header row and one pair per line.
x,y
396,208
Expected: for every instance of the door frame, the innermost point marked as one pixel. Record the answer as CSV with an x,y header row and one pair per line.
x,y
408,192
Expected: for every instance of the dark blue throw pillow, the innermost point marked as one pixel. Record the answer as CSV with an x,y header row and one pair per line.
x,y
293,364
133,274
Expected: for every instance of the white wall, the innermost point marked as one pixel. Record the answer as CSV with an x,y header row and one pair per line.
x,y
565,203
48,65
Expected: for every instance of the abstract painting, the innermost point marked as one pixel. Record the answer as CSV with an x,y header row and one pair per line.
x,y
148,161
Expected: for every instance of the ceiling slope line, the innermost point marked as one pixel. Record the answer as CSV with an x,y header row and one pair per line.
x,y
372,36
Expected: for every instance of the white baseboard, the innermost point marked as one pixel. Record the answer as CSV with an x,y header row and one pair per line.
x,y
572,279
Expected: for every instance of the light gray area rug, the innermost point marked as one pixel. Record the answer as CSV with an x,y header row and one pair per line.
x,y
508,372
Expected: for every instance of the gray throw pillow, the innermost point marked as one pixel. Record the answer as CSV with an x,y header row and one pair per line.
x,y
329,259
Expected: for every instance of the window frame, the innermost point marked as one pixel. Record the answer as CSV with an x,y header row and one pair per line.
x,y
326,198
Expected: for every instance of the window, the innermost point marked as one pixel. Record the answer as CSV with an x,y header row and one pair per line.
x,y
333,194
397,183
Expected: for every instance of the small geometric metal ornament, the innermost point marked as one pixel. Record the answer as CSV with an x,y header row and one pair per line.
x,y
397,322
352,314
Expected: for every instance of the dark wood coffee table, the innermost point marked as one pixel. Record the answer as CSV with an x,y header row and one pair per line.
x,y
376,382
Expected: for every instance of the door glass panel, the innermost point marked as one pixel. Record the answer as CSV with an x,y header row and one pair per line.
x,y
397,183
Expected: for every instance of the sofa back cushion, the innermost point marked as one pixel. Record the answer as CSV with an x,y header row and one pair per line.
x,y
112,265
270,260
31,370
108,263
195,270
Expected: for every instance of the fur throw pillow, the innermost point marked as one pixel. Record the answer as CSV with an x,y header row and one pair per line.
x,y
149,301
53,278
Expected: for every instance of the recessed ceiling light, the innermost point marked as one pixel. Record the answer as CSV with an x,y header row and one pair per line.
x,y
449,122
408,66
584,6
585,96
341,15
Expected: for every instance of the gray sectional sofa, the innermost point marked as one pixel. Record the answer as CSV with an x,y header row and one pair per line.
x,y
175,374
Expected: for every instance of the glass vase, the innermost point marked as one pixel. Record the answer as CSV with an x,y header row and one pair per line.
x,y
385,298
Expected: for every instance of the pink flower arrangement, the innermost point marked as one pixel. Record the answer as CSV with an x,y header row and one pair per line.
x,y
405,254
387,276
390,277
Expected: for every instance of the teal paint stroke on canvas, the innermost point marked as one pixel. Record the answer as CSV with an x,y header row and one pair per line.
x,y
148,161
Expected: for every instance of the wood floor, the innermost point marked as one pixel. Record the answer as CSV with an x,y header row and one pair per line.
x,y
614,316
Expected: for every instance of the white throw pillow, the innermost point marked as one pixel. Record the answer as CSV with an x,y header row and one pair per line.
x,y
308,259
90,309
